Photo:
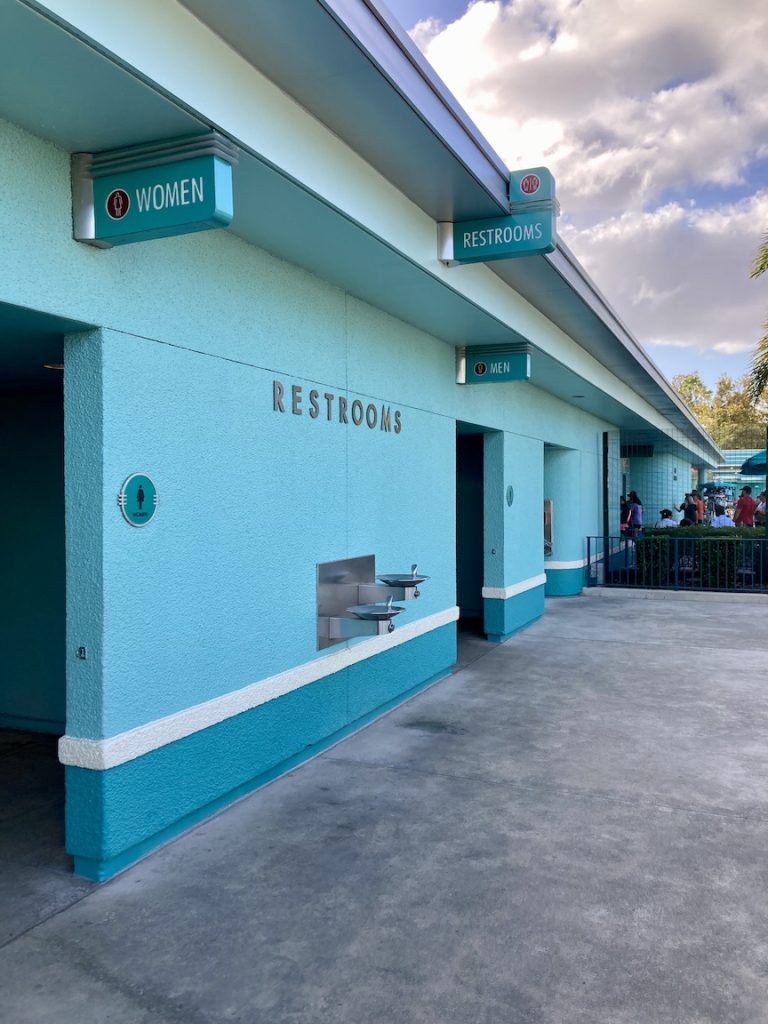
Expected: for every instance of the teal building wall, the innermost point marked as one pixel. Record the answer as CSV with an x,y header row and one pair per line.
x,y
571,480
216,598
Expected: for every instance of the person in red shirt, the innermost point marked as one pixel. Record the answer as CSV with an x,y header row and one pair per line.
x,y
745,508
699,502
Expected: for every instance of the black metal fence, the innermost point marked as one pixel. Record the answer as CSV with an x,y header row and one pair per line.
x,y
675,559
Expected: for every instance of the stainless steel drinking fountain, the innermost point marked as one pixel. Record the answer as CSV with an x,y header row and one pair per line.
x,y
407,583
350,603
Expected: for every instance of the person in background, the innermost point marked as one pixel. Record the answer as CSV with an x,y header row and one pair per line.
x,y
720,518
760,510
665,518
624,515
745,508
688,508
699,502
635,514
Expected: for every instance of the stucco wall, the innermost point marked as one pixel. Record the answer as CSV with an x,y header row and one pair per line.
x,y
203,624
200,629
219,591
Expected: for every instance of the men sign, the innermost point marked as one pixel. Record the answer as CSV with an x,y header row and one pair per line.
x,y
495,364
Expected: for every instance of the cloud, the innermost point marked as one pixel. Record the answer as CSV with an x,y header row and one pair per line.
x,y
623,100
651,115
671,343
424,31
648,294
731,348
679,275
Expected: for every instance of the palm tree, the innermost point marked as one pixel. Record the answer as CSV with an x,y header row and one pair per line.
x,y
758,376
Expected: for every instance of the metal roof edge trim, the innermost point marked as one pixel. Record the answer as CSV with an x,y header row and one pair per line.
x,y
356,18
425,69
582,280
347,15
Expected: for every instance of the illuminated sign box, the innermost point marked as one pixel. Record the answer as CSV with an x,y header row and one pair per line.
x,y
153,190
495,364
503,238
528,230
155,202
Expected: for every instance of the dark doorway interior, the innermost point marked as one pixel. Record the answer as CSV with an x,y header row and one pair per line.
x,y
32,623
36,879
469,531
32,693
32,800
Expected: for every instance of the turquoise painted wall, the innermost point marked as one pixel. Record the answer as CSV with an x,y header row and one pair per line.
x,y
563,486
523,541
32,690
86,503
179,385
218,592
131,807
505,617
565,474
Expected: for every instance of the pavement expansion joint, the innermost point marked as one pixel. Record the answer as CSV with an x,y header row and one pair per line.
x,y
49,917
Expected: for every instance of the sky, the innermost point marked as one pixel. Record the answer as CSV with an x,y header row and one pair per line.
x,y
653,118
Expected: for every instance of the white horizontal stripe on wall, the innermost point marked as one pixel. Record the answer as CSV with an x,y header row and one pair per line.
x,y
502,593
100,755
581,562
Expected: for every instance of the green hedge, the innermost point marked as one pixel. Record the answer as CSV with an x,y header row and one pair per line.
x,y
703,557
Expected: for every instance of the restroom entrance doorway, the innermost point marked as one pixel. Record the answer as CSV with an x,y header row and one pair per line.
x,y
32,554
470,527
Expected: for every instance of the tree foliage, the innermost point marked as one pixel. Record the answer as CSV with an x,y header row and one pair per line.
x,y
729,413
692,388
735,414
758,376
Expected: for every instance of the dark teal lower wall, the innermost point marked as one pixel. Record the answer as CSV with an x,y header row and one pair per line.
x,y
505,617
564,582
116,816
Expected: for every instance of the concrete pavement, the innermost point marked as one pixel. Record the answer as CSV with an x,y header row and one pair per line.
x,y
571,829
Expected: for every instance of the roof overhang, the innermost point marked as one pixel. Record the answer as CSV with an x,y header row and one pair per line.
x,y
350,65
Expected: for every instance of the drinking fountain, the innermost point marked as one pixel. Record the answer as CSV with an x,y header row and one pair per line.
x,y
351,603
403,582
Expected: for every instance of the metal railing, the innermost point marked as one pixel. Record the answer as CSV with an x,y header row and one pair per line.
x,y
676,561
